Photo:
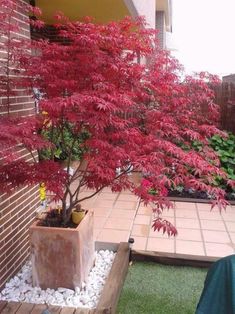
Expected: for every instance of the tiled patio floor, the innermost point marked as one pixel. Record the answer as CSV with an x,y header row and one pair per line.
x,y
201,232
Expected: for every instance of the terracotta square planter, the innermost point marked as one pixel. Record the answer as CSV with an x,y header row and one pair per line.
x,y
62,257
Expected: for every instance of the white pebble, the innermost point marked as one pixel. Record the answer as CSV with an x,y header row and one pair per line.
x,y
20,289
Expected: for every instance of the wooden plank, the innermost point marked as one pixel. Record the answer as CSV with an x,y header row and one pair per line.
x,y
2,305
67,310
10,308
103,311
53,309
39,308
85,311
82,311
114,283
173,259
25,308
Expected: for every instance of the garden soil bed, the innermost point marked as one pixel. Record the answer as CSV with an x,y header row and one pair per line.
x,y
199,197
109,296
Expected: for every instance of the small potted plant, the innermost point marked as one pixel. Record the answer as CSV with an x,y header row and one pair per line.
x,y
78,214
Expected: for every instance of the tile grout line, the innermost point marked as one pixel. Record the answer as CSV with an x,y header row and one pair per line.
x,y
110,210
203,240
228,233
156,238
115,200
136,210
133,219
108,216
150,224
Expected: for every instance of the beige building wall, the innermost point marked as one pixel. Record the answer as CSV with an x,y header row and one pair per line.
x,y
145,8
156,18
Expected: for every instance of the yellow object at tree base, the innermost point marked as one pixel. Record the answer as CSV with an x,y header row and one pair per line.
x,y
42,192
77,216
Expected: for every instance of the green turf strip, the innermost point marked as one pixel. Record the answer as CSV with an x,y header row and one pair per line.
x,y
151,288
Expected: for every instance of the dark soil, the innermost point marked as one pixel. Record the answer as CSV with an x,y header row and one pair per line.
x,y
54,219
197,194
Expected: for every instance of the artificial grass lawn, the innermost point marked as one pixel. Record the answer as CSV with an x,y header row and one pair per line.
x,y
151,288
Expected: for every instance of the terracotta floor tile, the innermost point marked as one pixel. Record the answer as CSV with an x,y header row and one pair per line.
x,y
123,213
108,196
106,190
99,222
126,205
142,220
104,203
189,247
85,194
88,205
210,215
185,213
168,212
187,223
89,200
115,215
205,206
230,209
160,245
140,230
114,236
189,234
140,243
185,205
127,197
230,226
232,235
118,223
215,236
102,212
213,225
127,192
170,219
229,216
157,234
218,249
144,210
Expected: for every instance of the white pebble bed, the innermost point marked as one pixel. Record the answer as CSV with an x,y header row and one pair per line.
x,y
20,289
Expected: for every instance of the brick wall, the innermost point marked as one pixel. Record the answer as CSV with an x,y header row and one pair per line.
x,y
17,210
48,32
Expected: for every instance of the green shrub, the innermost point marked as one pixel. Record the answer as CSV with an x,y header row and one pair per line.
x,y
225,148
66,142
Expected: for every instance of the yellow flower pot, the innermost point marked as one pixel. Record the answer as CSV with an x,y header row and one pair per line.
x,y
77,216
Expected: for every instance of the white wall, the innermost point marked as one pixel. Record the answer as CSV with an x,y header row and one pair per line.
x,y
145,8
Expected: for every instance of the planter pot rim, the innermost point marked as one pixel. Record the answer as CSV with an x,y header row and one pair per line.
x,y
35,224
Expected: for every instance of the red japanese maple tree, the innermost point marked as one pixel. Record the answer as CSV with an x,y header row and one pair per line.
x,y
121,113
